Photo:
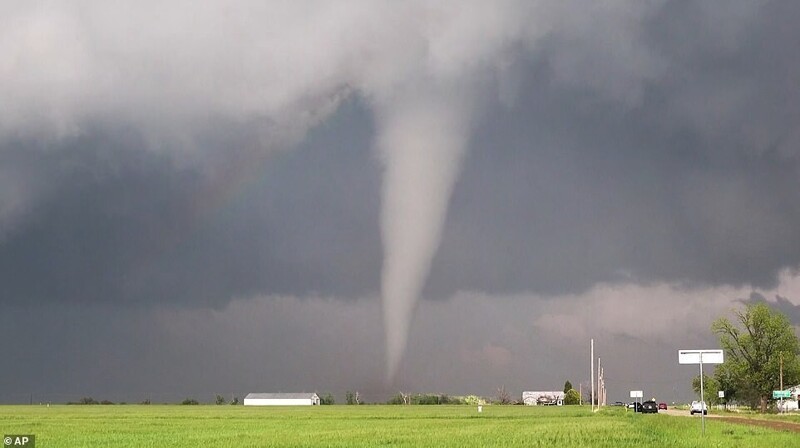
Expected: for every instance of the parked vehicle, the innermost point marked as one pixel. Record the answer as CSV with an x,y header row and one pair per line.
x,y
635,405
698,407
662,406
649,407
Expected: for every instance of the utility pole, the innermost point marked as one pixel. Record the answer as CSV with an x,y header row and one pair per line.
x,y
603,386
592,382
702,397
599,376
781,382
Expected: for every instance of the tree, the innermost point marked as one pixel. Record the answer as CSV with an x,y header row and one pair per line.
x,y
352,397
400,398
396,399
572,396
710,388
754,347
235,401
726,382
503,397
567,386
219,399
474,400
327,399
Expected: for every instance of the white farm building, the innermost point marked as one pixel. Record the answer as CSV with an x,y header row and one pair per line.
x,y
793,403
540,398
303,399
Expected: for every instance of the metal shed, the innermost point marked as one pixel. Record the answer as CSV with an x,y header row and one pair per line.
x,y
281,399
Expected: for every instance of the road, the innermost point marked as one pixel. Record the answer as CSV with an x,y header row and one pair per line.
x,y
771,424
684,413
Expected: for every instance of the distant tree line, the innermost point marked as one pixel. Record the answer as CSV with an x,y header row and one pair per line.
x,y
503,397
424,399
352,398
90,400
219,400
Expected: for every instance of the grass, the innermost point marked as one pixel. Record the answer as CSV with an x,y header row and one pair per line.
x,y
342,426
791,417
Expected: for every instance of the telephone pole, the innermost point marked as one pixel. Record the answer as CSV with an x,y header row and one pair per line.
x,y
592,382
781,382
599,383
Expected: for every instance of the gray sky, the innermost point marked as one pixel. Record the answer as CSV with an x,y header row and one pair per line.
x,y
200,199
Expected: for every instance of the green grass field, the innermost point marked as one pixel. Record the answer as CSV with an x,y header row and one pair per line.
x,y
340,426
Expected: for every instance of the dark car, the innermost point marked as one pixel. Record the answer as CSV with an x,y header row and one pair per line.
x,y
649,407
662,406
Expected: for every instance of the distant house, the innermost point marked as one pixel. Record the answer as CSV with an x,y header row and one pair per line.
x,y
792,404
543,398
795,391
255,399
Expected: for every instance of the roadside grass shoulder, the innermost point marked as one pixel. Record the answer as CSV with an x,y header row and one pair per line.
x,y
791,417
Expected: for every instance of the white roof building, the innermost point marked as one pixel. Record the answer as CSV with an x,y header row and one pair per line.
x,y
302,399
538,398
793,403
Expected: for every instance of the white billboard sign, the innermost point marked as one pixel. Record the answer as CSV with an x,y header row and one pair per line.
x,y
694,356
637,394
701,357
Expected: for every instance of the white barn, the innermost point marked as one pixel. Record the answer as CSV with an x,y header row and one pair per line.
x,y
546,398
256,399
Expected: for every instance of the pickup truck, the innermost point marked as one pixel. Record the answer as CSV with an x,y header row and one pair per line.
x,y
698,407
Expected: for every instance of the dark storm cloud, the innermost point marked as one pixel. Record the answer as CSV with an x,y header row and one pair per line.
x,y
781,304
566,188
123,224
157,175
680,165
